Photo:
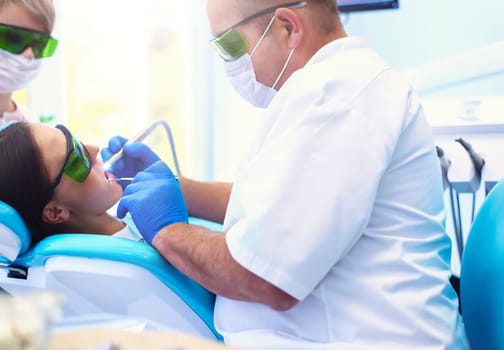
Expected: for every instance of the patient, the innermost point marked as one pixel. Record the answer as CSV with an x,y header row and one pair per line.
x,y
56,183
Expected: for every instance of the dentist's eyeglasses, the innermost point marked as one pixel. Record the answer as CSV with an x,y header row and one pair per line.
x,y
231,44
78,162
16,40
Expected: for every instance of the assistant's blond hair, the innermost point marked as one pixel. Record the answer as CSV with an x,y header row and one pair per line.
x,y
42,10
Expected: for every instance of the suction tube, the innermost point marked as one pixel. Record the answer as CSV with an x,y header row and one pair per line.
x,y
142,135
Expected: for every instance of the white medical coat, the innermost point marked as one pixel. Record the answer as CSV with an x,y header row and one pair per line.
x,y
129,231
339,203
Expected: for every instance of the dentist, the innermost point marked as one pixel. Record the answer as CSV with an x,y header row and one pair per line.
x,y
333,234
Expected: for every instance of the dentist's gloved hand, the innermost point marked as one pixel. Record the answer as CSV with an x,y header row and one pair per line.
x,y
154,200
136,157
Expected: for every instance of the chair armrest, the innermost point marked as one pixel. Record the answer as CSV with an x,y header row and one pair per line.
x,y
92,246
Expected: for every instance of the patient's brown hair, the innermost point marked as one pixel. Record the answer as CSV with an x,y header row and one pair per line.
x,y
24,182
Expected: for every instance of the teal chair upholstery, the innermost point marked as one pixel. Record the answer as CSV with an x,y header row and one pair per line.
x,y
482,275
100,275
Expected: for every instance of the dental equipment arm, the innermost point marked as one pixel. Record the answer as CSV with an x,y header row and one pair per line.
x,y
477,160
464,177
478,163
465,172
445,165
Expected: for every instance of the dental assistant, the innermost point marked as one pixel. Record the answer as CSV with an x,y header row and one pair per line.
x,y
333,230
25,28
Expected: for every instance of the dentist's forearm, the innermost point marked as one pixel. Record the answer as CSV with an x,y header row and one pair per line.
x,y
203,255
206,200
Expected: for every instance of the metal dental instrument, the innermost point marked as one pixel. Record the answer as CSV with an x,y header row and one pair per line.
x,y
120,179
139,137
129,179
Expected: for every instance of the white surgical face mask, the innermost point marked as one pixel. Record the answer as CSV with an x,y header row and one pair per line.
x,y
243,79
16,71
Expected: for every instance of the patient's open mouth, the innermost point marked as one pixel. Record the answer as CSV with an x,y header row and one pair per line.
x,y
109,176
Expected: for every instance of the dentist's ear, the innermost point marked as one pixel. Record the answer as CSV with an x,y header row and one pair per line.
x,y
55,214
290,20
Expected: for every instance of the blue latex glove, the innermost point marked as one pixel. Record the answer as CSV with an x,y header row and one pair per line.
x,y
136,157
154,200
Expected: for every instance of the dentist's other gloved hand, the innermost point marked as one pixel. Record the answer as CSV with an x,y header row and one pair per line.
x,y
154,200
136,157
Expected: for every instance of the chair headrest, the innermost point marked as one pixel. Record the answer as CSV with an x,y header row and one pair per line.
x,y
15,237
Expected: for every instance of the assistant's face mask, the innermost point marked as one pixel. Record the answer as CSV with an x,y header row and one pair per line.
x,y
243,79
16,71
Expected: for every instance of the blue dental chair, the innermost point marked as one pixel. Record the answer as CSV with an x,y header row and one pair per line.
x,y
482,275
103,275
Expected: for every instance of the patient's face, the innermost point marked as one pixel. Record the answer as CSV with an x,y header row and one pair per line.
x,y
95,195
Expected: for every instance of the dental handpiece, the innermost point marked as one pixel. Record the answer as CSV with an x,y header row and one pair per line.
x,y
139,137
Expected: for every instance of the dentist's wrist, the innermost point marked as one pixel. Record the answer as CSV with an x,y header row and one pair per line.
x,y
160,239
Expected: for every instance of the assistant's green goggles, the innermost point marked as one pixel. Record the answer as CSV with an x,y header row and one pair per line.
x,y
17,39
78,162
231,44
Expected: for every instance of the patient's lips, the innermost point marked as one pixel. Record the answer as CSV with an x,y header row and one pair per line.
x,y
109,176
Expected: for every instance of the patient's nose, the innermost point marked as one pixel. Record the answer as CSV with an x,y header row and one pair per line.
x,y
93,151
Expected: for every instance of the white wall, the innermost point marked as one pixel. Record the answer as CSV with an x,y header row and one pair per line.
x,y
425,31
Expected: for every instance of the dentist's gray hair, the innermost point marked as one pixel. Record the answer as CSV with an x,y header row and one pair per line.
x,y
324,13
41,10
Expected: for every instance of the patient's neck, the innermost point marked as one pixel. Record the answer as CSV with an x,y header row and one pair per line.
x,y
104,224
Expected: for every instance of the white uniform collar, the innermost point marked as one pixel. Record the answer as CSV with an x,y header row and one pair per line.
x,y
349,42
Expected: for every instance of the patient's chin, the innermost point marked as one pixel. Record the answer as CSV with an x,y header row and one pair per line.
x,y
115,192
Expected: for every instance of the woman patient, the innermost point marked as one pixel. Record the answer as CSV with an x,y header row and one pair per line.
x,y
56,183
